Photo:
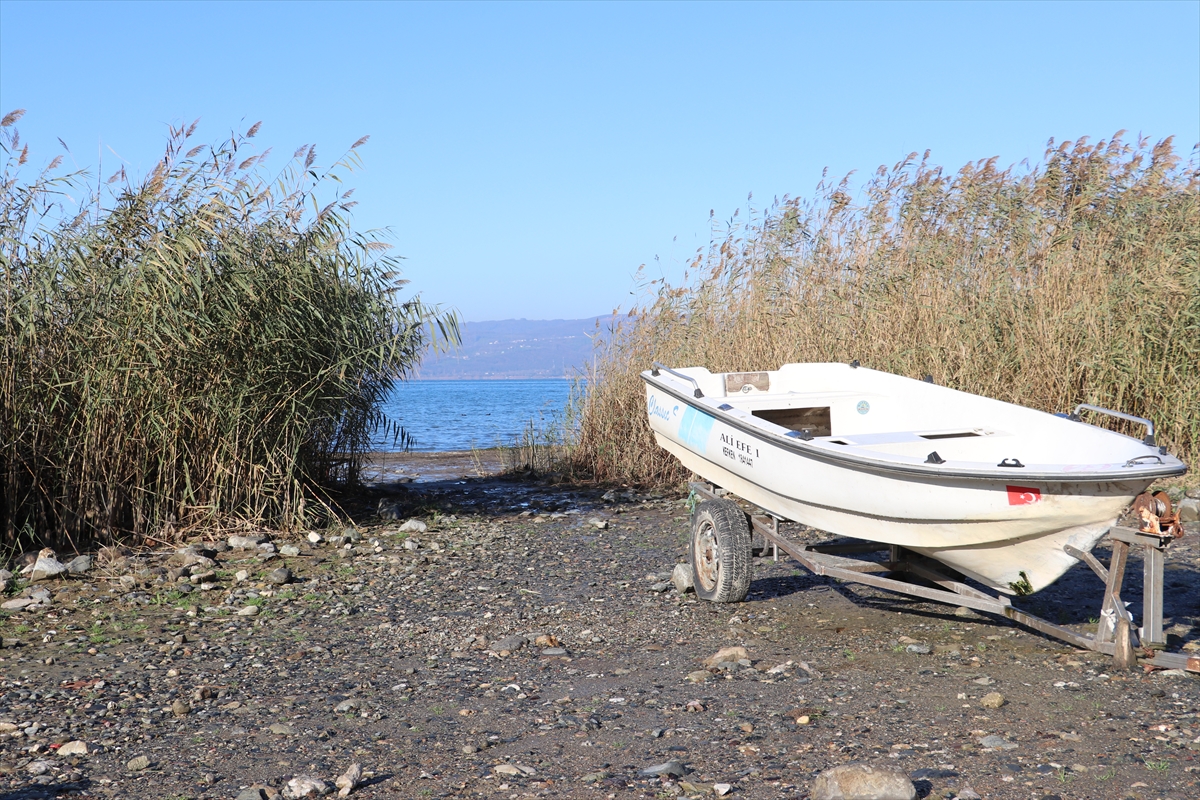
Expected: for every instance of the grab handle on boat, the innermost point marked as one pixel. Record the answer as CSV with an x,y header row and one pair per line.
x,y
1148,441
657,366
1133,462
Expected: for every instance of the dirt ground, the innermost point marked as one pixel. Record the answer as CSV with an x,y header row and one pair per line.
x,y
417,655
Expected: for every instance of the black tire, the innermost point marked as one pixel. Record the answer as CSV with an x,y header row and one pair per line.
x,y
720,552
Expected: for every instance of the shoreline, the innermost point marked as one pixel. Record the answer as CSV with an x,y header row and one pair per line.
x,y
383,467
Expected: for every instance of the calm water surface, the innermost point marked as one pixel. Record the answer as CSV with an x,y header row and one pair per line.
x,y
460,415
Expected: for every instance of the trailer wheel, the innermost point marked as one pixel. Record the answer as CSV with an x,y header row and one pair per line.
x,y
720,552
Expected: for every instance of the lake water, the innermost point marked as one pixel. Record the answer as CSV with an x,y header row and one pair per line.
x,y
461,415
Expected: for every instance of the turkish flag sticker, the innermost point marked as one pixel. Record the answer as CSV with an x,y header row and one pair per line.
x,y
1023,495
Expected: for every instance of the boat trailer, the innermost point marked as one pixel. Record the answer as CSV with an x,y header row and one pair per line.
x,y
1115,635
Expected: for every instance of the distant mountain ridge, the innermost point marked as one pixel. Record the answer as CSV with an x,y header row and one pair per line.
x,y
518,348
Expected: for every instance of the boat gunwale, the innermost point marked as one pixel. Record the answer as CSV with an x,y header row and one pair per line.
x,y
861,463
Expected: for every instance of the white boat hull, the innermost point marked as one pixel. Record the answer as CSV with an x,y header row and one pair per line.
x,y
1005,532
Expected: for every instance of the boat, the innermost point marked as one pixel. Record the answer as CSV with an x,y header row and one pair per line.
x,y
1001,493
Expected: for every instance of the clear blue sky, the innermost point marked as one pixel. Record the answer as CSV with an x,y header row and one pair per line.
x,y
529,157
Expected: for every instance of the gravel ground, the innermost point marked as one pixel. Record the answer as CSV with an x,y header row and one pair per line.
x,y
524,646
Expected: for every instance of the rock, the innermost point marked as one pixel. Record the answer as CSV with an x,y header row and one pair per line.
x,y
180,708
992,700
413,526
513,769
250,794
721,789
659,588
306,786
725,655
1189,510
968,793
75,748
997,743
248,611
673,768
281,729
509,644
46,567
682,577
241,575
289,550
598,524
245,542
546,640
79,565
699,676
314,537
38,767
346,705
411,544
137,764
555,651
596,777
18,603
348,782
280,576
863,782
919,649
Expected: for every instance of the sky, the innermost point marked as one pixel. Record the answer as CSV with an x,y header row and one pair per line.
x,y
527,158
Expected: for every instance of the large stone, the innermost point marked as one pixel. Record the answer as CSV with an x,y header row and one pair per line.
x,y
863,782
245,542
725,655
306,786
1189,510
992,700
682,577
46,567
18,603
75,748
79,565
349,780
137,763
508,644
414,526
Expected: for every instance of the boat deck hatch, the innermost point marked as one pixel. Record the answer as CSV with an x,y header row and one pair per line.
x,y
814,420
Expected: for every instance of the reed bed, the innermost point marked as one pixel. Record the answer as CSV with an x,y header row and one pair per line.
x,y
1076,280
206,346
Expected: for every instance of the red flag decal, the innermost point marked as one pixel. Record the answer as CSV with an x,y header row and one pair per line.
x,y
1023,495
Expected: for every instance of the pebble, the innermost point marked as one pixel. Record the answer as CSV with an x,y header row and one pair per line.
x,y
596,777
509,644
289,551
682,577
555,651
967,793
863,782
18,603
250,793
661,587
673,768
513,769
414,526
997,743
699,676
346,705
919,649
180,709
597,523
248,611
314,537
137,763
281,729
992,700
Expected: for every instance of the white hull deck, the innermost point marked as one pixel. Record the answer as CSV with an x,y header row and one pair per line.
x,y
874,456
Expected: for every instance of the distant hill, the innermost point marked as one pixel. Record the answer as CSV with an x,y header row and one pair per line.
x,y
518,348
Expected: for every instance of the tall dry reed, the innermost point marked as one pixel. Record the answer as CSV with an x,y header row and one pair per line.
x,y
1077,280
207,344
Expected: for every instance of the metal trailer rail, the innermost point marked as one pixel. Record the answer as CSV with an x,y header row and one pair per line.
x,y
1115,635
